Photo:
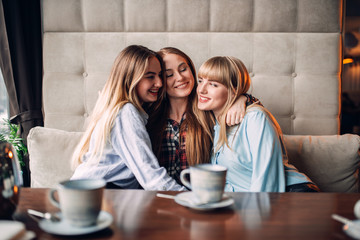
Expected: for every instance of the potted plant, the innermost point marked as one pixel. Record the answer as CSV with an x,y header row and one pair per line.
x,y
9,132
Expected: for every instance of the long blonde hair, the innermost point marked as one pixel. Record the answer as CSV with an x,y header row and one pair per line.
x,y
120,88
198,142
232,73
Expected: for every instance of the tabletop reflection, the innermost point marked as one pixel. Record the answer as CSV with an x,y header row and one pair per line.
x,y
127,208
249,210
253,209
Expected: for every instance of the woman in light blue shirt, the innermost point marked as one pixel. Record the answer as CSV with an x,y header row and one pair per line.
x,y
252,151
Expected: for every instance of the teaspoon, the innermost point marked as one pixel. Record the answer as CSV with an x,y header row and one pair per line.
x,y
190,201
47,215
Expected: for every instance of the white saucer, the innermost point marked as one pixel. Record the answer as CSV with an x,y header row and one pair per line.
x,y
63,228
185,199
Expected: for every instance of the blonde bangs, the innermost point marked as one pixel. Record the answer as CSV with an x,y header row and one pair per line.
x,y
214,69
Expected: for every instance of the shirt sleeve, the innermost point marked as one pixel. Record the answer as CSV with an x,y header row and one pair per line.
x,y
131,141
268,170
250,99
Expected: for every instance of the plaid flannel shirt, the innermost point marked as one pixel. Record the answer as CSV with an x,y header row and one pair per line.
x,y
173,155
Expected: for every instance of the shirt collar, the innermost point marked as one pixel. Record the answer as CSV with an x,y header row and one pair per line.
x,y
182,119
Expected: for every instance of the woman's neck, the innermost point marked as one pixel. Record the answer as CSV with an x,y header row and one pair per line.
x,y
177,108
217,115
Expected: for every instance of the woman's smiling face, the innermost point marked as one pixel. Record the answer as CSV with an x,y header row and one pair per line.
x,y
179,78
149,86
212,95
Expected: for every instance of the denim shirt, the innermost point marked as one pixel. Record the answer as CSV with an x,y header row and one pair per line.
x,y
257,161
127,159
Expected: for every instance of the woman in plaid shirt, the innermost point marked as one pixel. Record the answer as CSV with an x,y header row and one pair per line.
x,y
179,118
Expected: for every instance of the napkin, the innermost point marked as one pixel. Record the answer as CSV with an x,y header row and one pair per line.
x,y
14,230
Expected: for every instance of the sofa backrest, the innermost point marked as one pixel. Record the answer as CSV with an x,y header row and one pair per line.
x,y
292,49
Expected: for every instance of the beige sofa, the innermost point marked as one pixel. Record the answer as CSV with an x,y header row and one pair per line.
x,y
292,49
330,161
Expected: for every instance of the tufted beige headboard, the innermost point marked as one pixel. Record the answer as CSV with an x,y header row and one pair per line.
x,y
292,49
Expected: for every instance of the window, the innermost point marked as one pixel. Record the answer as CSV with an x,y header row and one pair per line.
x,y
4,99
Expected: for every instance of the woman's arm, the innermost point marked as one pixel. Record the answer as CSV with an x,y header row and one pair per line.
x,y
263,140
131,141
236,113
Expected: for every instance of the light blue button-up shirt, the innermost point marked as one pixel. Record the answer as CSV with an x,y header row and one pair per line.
x,y
127,159
256,161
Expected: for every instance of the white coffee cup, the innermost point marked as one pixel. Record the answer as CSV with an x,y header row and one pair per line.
x,y
357,209
79,200
207,182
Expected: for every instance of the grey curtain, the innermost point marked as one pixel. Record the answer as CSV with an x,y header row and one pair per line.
x,y
21,64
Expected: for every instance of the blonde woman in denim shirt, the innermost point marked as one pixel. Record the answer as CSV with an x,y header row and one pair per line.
x,y
253,151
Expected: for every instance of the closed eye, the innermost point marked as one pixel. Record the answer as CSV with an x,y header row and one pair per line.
x,y
150,75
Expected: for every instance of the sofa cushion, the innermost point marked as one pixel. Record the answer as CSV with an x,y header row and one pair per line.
x,y
50,152
332,162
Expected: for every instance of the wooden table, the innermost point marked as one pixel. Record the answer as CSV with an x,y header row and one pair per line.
x,y
140,214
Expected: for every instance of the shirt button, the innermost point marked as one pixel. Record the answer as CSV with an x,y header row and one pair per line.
x,y
85,74
164,188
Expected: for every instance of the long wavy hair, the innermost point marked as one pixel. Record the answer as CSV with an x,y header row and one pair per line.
x,y
232,73
120,88
198,142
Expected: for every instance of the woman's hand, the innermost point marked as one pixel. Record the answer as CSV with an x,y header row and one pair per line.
x,y
237,111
